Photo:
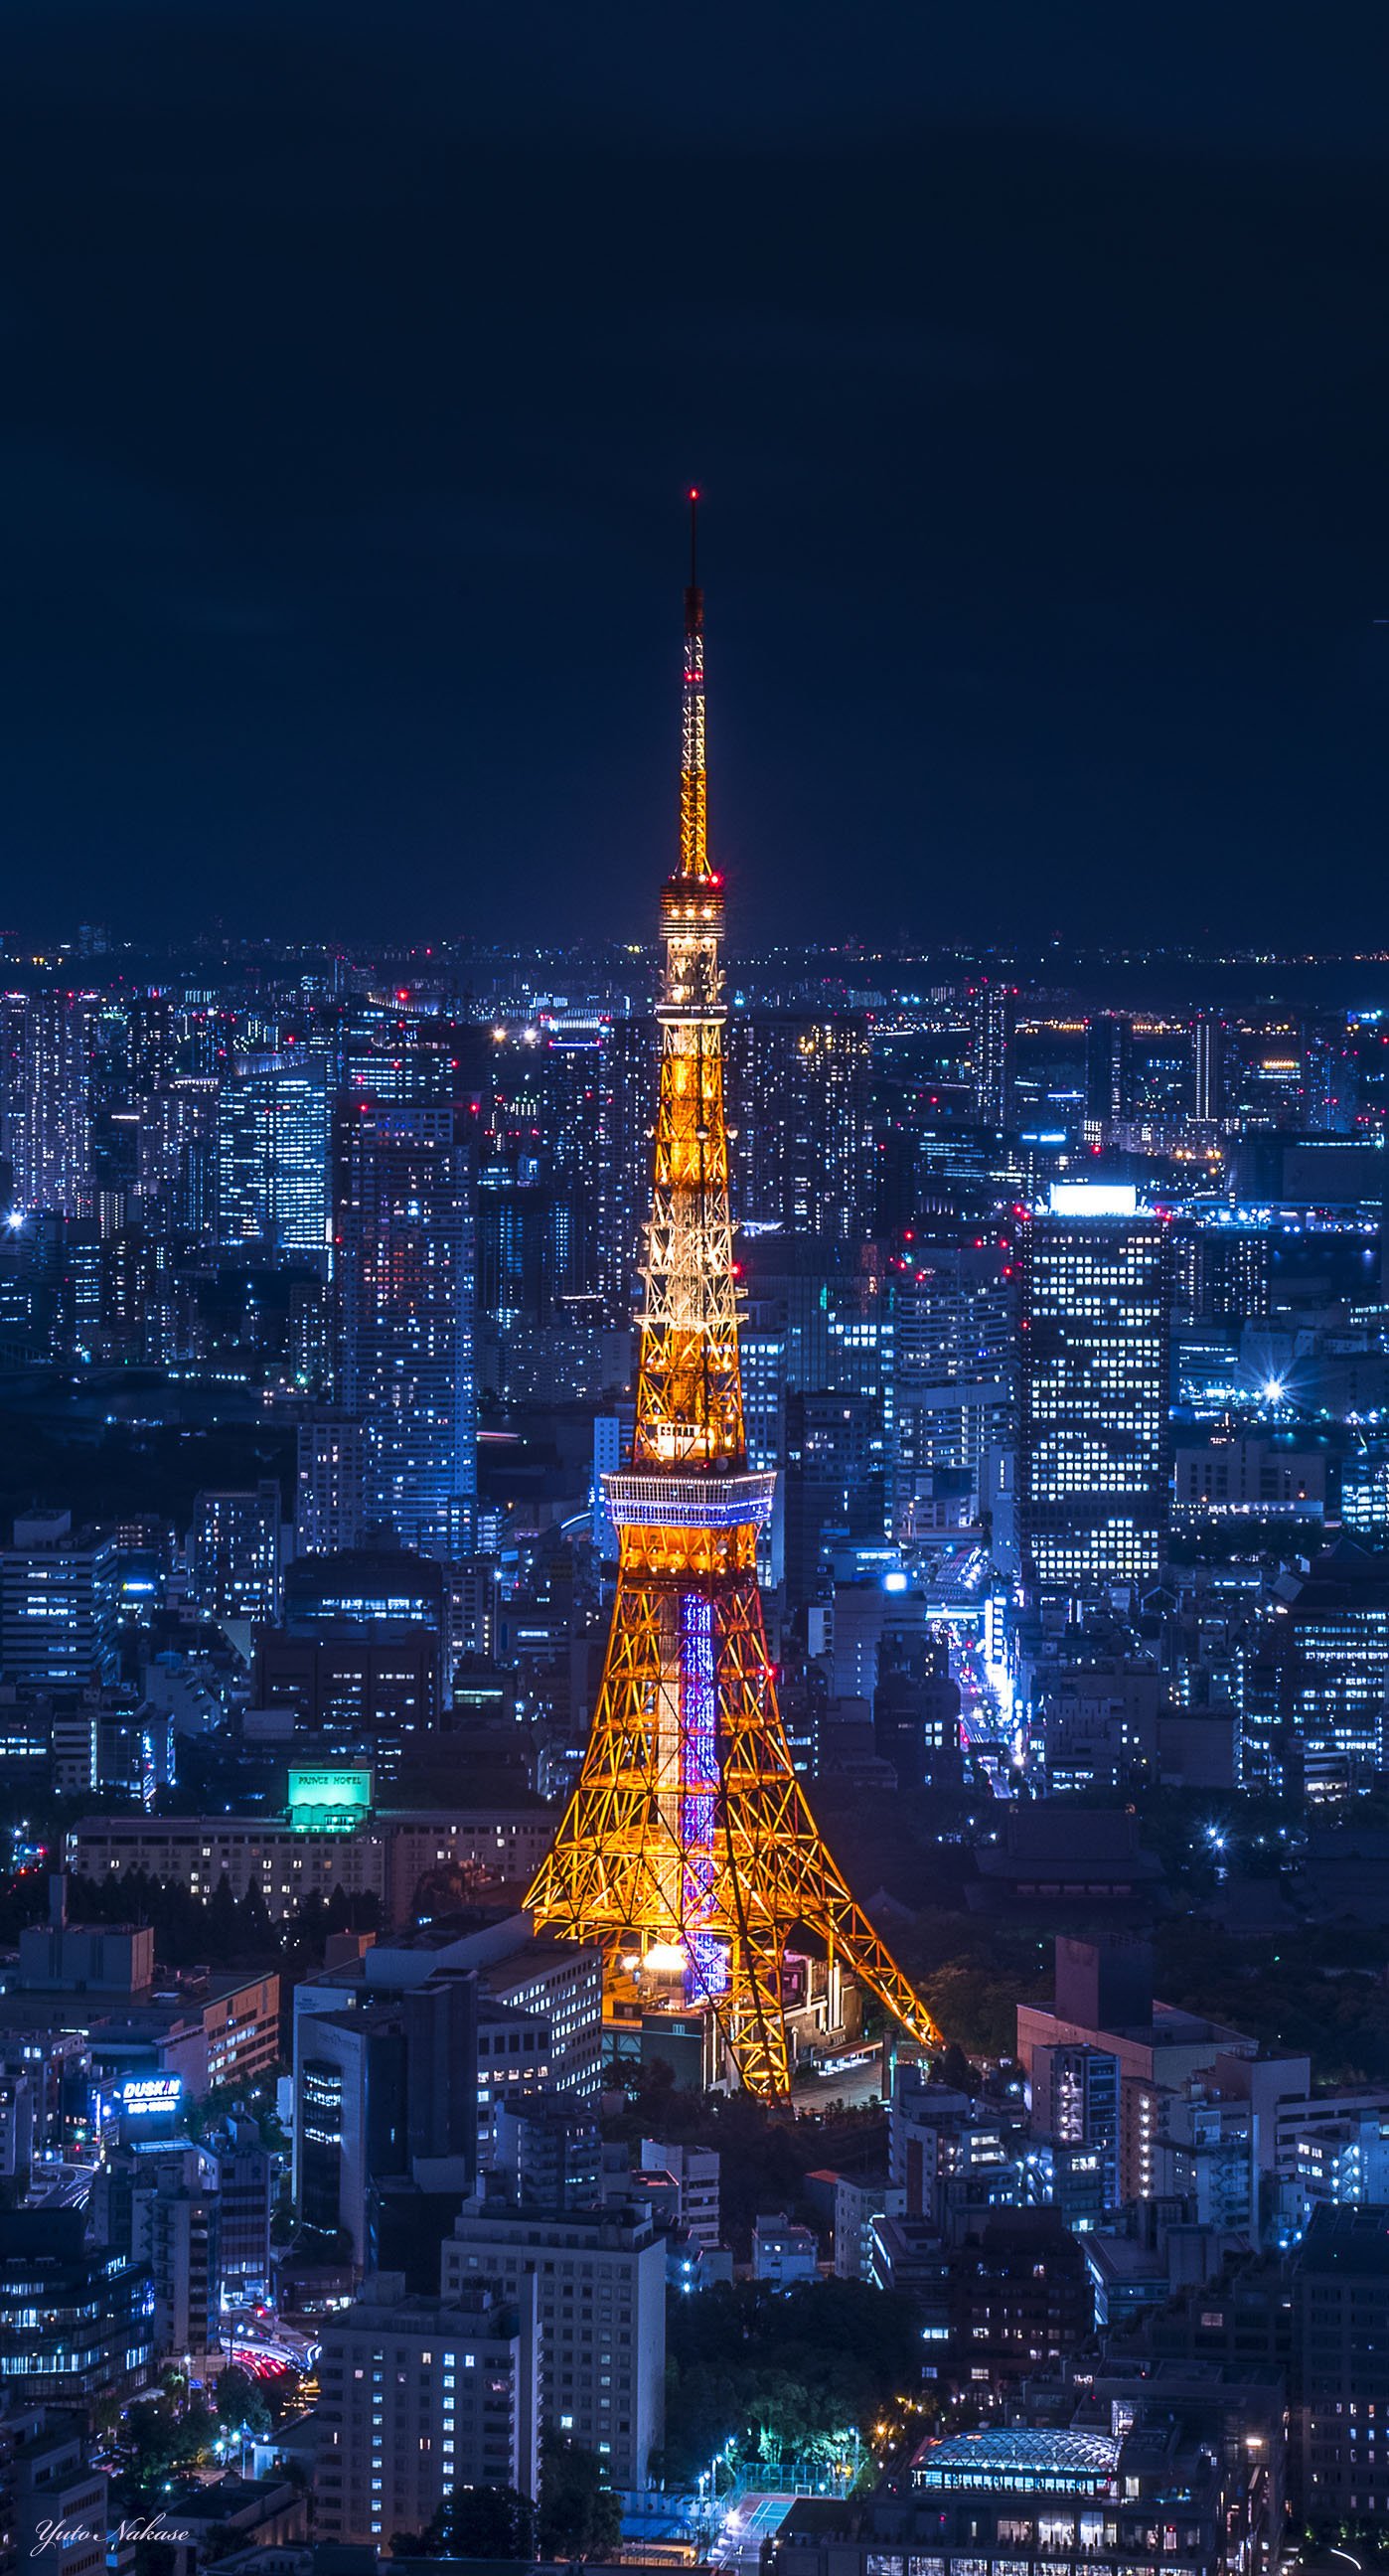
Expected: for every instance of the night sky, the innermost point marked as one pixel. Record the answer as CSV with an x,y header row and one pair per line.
x,y
1033,360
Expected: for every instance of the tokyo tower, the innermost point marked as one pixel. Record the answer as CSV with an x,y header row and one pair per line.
x,y
688,1850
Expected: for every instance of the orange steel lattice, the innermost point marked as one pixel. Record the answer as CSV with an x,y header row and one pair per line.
x,y
689,1832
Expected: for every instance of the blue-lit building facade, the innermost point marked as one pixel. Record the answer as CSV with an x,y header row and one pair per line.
x,y
405,1267
272,1156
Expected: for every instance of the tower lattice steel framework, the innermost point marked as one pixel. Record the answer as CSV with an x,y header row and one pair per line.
x,y
688,1834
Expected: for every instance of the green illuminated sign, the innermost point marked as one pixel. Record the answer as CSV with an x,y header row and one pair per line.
x,y
328,1802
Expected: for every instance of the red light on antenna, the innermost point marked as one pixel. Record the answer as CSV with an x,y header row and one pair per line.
x,y
694,496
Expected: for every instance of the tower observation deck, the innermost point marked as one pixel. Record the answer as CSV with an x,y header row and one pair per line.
x,y
688,1848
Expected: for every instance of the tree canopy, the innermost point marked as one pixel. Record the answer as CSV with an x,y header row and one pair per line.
x,y
783,2373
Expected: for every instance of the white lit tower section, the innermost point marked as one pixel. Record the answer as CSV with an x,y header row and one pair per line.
x,y
1094,1430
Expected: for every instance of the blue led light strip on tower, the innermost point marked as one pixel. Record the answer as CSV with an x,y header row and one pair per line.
x,y
706,1971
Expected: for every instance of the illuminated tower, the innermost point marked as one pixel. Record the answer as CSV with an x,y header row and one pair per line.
x,y
688,1849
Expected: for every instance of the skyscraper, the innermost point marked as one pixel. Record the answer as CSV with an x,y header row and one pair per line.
x,y
993,1020
952,1352
405,1274
272,1156
176,1156
1093,1445
1208,1068
46,1044
1108,1067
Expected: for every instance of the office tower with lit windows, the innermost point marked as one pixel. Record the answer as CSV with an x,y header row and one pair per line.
x,y
1094,1309
1223,1270
59,1603
952,1351
763,1347
272,1157
234,1553
1315,1717
176,1157
46,1052
405,1271
993,1021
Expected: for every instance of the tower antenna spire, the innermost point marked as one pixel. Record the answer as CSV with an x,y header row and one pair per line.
x,y
694,822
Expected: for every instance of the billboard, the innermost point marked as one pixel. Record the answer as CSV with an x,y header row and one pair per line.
x,y
328,1799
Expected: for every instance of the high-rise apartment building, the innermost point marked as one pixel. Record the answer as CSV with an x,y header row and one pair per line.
x,y
272,1156
1093,1375
1208,1068
993,1022
176,1156
330,1492
46,1046
422,2395
406,1286
1223,1271
798,1107
54,2505
548,2146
